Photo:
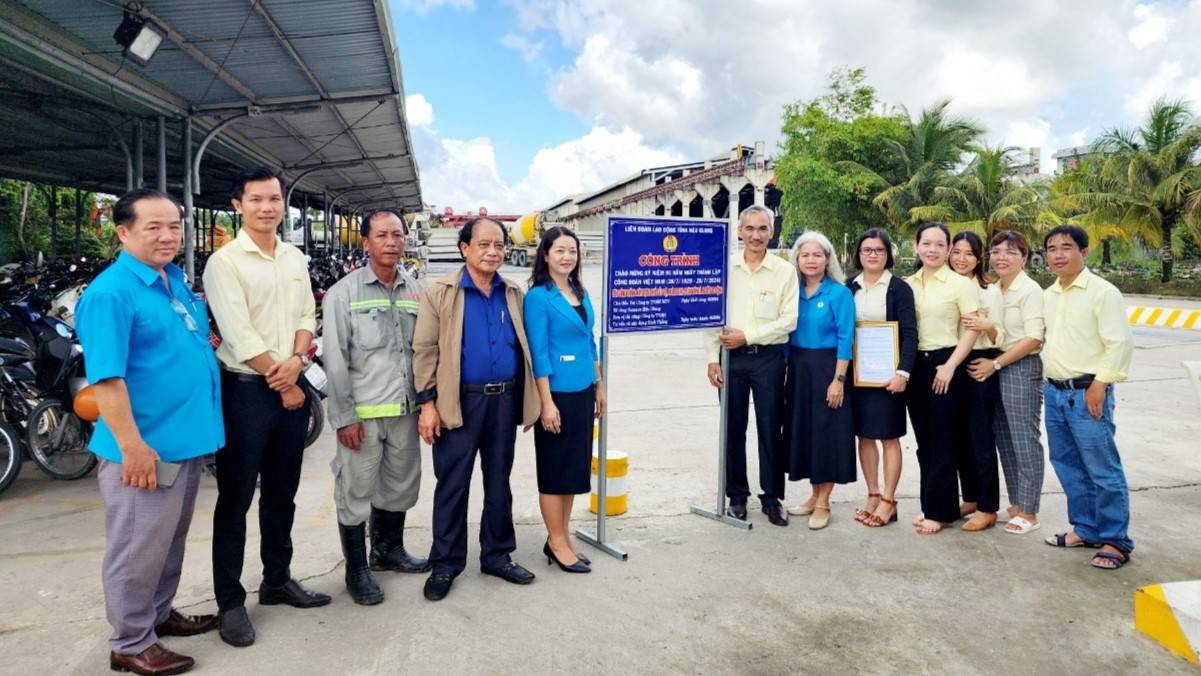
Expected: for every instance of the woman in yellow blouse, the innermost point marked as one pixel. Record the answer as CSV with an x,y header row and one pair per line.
x,y
1019,372
942,298
975,441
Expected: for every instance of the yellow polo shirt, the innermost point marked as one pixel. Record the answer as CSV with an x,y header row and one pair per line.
x,y
259,302
762,304
1087,331
940,304
1023,316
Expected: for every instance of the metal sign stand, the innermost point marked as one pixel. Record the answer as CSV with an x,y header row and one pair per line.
x,y
719,513
602,471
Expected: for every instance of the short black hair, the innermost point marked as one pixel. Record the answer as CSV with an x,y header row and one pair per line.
x,y
365,223
917,237
874,233
1077,233
259,173
468,229
124,212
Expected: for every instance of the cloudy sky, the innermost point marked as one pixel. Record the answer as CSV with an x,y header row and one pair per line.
x,y
516,104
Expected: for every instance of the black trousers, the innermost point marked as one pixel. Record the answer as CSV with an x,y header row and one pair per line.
x,y
262,438
761,375
489,427
934,418
974,439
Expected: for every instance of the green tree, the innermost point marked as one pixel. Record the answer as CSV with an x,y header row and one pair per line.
x,y
932,146
819,135
1064,204
985,197
1149,177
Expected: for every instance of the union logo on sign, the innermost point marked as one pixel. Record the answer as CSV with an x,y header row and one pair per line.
x,y
671,243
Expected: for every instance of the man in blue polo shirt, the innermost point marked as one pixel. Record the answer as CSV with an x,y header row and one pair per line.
x,y
145,341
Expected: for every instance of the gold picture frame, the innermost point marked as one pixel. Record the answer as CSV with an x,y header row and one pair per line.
x,y
874,334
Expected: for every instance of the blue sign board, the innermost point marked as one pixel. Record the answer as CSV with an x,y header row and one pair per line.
x,y
665,274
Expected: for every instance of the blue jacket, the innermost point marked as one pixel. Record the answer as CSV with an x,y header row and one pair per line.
x,y
561,346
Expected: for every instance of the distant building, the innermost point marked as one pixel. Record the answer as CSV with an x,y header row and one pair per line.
x,y
1067,159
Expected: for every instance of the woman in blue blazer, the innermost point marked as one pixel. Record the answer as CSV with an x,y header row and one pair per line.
x,y
558,325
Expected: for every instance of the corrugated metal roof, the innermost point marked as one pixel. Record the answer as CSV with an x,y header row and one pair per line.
x,y
222,56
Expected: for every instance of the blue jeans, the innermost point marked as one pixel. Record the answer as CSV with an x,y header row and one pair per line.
x,y
1086,460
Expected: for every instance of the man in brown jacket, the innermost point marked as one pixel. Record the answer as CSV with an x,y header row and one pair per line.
x,y
471,363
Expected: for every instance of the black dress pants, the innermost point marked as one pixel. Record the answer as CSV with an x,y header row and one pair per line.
x,y
759,374
974,440
489,427
934,418
262,439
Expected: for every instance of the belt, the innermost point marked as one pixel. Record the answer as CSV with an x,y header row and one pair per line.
x,y
756,349
490,388
1074,384
244,377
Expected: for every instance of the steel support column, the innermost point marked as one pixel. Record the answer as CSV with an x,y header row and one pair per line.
x,y
162,154
138,174
189,224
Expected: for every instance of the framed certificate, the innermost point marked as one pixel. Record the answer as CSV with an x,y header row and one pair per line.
x,y
877,353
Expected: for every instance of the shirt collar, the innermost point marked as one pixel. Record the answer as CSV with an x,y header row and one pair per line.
x,y
885,278
467,282
768,261
372,278
145,273
1081,281
243,239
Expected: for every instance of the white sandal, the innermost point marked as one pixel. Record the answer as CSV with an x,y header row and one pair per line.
x,y
1024,526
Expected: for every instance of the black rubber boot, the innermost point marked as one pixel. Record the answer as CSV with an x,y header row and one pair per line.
x,y
359,581
388,546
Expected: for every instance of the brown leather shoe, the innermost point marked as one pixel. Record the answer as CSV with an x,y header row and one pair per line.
x,y
155,661
178,624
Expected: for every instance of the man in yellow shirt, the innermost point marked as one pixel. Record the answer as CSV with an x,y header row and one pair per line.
x,y
259,291
761,310
1087,349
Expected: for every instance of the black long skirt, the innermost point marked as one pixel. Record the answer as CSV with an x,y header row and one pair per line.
x,y
878,413
820,439
564,460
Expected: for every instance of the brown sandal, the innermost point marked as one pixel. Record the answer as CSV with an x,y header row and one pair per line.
x,y
873,521
861,514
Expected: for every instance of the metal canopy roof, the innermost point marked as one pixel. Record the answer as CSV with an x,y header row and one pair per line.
x,y
310,86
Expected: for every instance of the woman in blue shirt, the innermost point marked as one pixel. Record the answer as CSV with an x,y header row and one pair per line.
x,y
819,428
558,324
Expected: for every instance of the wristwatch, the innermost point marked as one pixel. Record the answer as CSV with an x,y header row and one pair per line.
x,y
903,374
304,359
840,378
996,364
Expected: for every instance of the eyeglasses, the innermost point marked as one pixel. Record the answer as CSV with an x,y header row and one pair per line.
x,y
1006,253
183,312
872,251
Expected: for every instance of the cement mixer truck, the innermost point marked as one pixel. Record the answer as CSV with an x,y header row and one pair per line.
x,y
524,233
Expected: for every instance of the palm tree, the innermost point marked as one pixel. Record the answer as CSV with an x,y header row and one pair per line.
x,y
933,146
1153,176
1065,200
985,197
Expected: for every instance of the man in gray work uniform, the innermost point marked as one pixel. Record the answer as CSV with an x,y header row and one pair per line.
x,y
369,320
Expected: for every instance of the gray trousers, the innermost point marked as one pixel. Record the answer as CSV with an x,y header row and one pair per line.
x,y
1016,426
145,533
385,472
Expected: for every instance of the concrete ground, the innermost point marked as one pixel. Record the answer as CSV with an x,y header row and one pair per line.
x,y
695,596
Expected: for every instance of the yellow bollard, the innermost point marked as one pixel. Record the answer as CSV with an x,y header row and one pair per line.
x,y
615,494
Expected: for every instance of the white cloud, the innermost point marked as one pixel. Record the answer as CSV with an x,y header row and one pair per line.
x,y
700,76
1079,137
1165,80
528,49
463,173
1150,29
1033,133
418,110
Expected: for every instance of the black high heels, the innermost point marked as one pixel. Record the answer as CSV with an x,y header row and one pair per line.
x,y
577,567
